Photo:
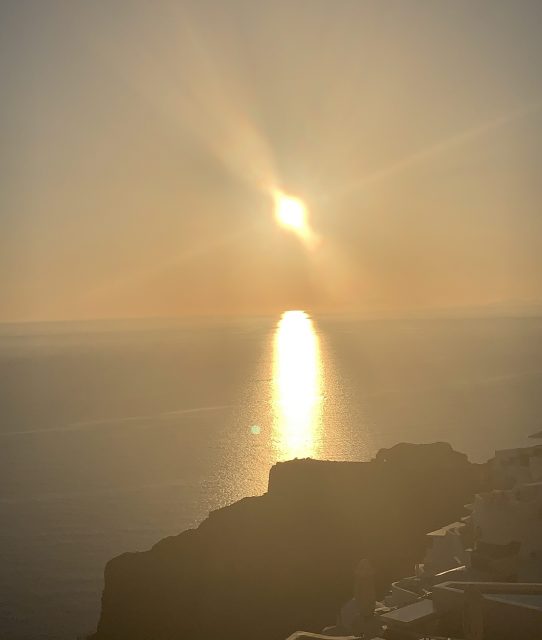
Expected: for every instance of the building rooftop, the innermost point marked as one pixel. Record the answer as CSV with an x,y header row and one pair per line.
x,y
449,528
411,613
530,600
306,635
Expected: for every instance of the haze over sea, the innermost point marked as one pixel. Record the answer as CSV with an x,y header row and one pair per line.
x,y
116,434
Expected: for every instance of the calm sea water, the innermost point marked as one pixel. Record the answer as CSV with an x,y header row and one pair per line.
x,y
114,435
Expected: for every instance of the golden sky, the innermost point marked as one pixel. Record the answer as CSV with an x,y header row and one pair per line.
x,y
141,142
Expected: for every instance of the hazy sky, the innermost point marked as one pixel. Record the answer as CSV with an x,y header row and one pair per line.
x,y
140,140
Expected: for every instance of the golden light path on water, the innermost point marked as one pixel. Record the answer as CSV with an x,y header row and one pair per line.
x,y
297,387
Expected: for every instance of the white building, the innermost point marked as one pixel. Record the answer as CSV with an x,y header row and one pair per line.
x,y
446,550
513,516
518,466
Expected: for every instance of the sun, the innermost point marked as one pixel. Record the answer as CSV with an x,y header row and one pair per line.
x,y
290,212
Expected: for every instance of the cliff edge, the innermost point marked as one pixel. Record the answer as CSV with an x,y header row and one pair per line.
x,y
284,561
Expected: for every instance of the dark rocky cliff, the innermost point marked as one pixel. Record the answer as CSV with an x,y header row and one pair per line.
x,y
283,561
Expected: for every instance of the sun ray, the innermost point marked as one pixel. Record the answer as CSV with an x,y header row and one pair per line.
x,y
441,146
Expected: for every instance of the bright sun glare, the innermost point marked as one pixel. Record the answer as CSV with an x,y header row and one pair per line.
x,y
290,212
297,387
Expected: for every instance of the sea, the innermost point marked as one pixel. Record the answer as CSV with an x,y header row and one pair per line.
x,y
115,434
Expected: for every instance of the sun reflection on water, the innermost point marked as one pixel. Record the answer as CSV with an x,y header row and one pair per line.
x,y
297,387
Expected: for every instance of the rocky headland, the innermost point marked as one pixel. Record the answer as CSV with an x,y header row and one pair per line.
x,y
270,565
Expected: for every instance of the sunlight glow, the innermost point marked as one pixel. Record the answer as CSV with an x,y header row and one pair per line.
x,y
297,387
291,214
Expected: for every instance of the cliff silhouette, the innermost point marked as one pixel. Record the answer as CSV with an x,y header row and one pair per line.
x,y
273,564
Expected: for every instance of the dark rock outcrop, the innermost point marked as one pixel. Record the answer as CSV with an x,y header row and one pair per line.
x,y
270,565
